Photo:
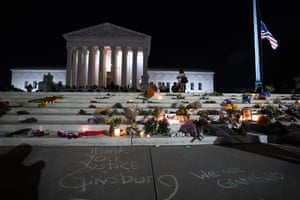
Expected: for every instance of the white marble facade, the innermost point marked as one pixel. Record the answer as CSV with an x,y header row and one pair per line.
x,y
106,54
109,54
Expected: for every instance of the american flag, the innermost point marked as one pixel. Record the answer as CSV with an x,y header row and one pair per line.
x,y
266,34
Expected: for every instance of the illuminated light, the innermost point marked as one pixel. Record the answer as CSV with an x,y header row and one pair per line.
x,y
84,128
148,135
142,134
117,132
258,118
261,118
159,97
241,119
255,117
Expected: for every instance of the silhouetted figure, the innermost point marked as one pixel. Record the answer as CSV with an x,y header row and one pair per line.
x,y
182,80
259,89
29,88
174,87
19,181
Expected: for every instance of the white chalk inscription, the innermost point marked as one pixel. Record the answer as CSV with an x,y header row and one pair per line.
x,y
106,167
234,177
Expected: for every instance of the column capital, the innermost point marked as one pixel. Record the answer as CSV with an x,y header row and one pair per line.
x,y
91,48
100,48
145,49
135,49
113,47
85,48
124,48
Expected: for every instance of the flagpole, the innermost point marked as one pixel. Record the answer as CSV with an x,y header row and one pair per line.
x,y
258,82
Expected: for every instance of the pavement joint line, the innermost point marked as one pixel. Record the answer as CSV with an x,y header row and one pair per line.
x,y
125,141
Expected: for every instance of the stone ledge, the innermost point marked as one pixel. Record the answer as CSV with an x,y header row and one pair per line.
x,y
127,141
157,141
83,141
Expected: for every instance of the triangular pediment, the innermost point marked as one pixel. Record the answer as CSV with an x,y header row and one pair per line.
x,y
105,30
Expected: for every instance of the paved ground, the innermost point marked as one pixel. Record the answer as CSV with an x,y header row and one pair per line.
x,y
218,172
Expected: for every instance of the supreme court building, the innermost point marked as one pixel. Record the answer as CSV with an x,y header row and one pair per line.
x,y
105,54
108,54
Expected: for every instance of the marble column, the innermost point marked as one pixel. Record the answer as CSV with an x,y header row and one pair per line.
x,y
91,67
69,66
74,67
79,67
113,65
118,66
102,71
134,68
84,67
124,80
145,76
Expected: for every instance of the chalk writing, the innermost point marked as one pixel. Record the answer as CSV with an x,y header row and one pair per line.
x,y
232,170
173,180
105,160
81,182
205,175
235,177
111,169
238,181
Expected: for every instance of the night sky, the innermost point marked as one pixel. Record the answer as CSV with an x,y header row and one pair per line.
x,y
212,35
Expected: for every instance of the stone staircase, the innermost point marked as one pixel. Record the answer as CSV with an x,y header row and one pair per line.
x,y
63,113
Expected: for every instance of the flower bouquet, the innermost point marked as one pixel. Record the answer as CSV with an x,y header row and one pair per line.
x,y
150,125
133,129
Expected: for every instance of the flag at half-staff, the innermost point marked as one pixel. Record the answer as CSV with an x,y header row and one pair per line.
x,y
266,34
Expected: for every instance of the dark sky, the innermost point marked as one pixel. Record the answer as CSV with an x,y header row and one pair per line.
x,y
213,35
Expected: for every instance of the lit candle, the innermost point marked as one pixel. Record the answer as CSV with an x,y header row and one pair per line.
x,y
142,134
117,132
